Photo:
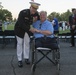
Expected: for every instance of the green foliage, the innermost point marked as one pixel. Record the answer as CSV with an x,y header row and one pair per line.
x,y
66,31
5,15
1,5
54,14
65,16
61,17
9,27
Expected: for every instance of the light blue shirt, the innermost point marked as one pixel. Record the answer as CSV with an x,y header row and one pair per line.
x,y
46,25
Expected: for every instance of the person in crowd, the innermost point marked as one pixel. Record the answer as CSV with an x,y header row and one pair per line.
x,y
60,26
22,26
55,24
72,23
63,24
5,25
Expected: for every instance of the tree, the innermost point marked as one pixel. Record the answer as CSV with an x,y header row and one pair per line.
x,y
14,19
61,17
54,14
1,5
65,15
5,15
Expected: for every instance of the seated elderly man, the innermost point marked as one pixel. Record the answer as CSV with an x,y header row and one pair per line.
x,y
43,32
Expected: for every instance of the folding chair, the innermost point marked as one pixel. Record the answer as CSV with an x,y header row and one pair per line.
x,y
55,56
1,37
9,36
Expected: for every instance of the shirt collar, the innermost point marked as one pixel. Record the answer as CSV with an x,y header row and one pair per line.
x,y
43,22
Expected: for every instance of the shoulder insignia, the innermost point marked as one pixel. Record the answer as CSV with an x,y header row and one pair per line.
x,y
26,18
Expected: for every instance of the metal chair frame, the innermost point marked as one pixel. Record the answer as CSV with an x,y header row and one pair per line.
x,y
55,56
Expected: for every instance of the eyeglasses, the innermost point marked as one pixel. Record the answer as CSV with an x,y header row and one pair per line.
x,y
40,26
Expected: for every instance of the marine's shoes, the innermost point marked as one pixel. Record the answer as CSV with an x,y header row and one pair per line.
x,y
20,64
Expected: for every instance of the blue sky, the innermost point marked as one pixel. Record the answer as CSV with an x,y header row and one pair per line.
x,y
15,6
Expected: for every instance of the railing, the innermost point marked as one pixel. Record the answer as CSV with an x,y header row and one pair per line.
x,y
6,37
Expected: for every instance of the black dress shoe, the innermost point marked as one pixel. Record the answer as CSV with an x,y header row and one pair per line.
x,y
27,61
20,64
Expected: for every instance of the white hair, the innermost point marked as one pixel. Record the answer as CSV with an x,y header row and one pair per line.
x,y
44,12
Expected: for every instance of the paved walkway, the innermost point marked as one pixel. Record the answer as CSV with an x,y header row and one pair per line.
x,y
8,62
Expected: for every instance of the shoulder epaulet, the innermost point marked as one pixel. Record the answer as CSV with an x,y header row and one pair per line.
x,y
26,11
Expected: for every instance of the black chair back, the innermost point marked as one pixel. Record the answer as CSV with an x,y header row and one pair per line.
x,y
9,33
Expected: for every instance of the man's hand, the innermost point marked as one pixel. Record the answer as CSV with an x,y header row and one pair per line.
x,y
32,30
35,19
36,30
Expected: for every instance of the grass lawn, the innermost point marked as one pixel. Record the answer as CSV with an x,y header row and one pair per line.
x,y
11,27
66,31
